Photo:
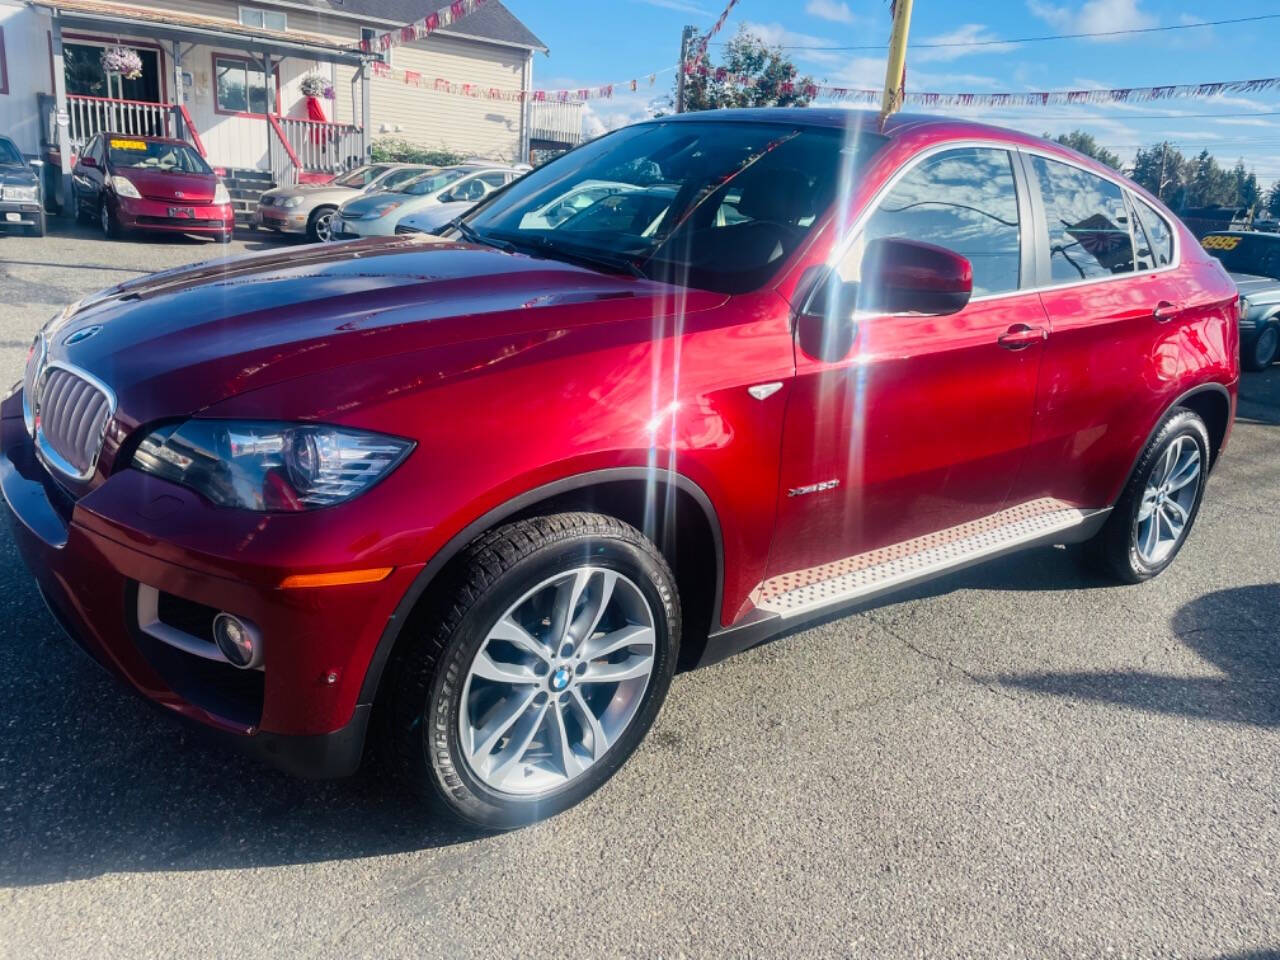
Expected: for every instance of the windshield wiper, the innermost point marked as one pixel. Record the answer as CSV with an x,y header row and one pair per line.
x,y
615,264
472,235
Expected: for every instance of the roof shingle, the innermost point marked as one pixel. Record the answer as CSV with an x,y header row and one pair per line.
x,y
493,21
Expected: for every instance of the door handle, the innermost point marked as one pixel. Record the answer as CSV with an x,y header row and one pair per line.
x,y
1165,311
1020,336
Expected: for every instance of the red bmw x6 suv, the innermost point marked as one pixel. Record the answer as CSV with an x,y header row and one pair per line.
x,y
469,499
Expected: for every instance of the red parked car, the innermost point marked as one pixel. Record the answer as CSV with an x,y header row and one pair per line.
x,y
471,498
125,183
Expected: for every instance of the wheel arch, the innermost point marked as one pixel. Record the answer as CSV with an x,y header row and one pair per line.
x,y
669,508
1212,402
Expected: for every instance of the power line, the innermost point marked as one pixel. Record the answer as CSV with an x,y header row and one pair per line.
x,y
1038,39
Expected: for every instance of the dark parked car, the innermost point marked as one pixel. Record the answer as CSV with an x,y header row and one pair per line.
x,y
128,183
1253,260
470,498
21,204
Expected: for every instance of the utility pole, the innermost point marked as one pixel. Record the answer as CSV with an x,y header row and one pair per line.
x,y
685,37
893,72
1164,152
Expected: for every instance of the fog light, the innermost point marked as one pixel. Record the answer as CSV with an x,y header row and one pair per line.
x,y
238,641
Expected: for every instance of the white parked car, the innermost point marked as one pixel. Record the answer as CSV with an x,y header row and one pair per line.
x,y
376,215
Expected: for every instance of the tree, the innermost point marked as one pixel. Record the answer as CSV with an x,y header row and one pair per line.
x,y
1273,199
1084,143
1207,183
1242,187
1160,170
747,55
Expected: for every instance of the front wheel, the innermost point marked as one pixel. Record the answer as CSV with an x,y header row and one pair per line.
x,y
1154,515
107,220
320,225
536,669
1265,348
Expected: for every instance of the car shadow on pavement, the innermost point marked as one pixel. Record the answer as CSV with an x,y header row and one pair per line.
x,y
93,780
1234,630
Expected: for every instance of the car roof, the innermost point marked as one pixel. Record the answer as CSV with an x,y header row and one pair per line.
x,y
1260,234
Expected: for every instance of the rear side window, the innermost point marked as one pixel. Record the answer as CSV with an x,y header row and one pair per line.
x,y
1088,223
964,200
1157,233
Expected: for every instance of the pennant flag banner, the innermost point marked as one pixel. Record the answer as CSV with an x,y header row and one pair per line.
x,y
421,29
702,45
1036,99
479,91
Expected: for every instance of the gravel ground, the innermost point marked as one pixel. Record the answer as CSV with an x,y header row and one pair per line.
x,y
1016,761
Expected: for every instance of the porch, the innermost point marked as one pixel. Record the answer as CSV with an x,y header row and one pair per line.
x,y
234,93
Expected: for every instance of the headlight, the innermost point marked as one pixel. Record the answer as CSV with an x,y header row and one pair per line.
x,y
220,195
261,465
28,194
382,209
290,202
125,188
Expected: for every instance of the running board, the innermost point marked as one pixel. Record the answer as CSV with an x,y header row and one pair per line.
x,y
864,575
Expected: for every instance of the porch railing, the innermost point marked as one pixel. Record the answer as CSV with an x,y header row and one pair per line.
x,y
556,122
321,147
87,116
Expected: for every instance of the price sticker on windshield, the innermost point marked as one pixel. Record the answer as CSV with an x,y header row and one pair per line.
x,y
128,145
1220,243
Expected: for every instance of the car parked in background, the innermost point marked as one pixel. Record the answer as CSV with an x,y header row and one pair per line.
x,y
21,198
1253,260
126,182
308,208
550,216
378,214
472,497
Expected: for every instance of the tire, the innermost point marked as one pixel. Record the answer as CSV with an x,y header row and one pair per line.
x,y
83,214
519,572
1266,346
226,237
1123,548
318,224
38,230
107,221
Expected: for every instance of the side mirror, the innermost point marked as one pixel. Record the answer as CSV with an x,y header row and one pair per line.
x,y
907,276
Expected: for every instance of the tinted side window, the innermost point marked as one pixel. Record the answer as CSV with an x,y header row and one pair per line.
x,y
1159,234
964,200
1088,223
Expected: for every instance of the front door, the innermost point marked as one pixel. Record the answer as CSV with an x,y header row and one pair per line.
x,y
924,426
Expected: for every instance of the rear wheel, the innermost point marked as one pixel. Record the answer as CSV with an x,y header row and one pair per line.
x,y
319,225
1265,348
1154,515
535,672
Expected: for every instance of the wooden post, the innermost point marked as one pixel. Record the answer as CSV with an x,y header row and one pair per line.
x,y
62,116
897,62
685,37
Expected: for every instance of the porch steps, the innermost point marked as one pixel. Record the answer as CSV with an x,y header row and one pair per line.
x,y
245,187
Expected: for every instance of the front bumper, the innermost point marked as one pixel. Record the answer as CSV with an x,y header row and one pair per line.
x,y
163,215
342,229
19,213
282,218
302,712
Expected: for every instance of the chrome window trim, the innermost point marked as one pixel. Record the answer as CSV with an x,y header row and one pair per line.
x,y
28,404
841,247
47,454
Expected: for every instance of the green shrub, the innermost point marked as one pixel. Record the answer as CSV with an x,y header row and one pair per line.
x,y
397,150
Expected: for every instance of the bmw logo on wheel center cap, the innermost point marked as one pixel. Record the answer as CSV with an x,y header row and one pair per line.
x,y
560,679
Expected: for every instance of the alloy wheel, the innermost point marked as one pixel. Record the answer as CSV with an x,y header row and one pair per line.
x,y
324,227
1267,345
557,680
1167,501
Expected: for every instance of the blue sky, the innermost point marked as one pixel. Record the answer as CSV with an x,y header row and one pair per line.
x,y
600,41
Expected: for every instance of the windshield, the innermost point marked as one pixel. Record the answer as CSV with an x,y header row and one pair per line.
x,y
8,152
1240,254
149,155
717,205
360,176
399,177
430,182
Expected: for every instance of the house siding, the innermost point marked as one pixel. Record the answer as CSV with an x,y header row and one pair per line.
x,y
26,50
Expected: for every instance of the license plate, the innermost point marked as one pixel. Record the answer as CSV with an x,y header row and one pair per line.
x,y
182,213
13,217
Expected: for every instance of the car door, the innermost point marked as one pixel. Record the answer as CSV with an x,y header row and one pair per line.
x,y
1116,312
86,178
924,425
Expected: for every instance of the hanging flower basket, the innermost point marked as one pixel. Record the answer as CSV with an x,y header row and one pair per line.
x,y
313,85
121,62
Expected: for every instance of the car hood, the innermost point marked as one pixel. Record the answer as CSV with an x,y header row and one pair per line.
x,y
17,174
176,342
436,216
1259,290
363,205
313,191
188,187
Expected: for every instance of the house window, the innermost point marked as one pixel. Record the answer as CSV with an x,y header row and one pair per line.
x,y
266,19
372,35
4,66
241,86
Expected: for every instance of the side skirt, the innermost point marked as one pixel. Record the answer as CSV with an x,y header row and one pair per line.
x,y
787,603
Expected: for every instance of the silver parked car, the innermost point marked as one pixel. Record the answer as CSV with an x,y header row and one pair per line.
x,y
308,208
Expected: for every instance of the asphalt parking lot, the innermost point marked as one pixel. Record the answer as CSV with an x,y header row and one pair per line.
x,y
1019,760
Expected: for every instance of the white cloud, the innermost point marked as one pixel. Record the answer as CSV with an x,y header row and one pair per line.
x,y
968,34
836,12
1093,16
683,6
